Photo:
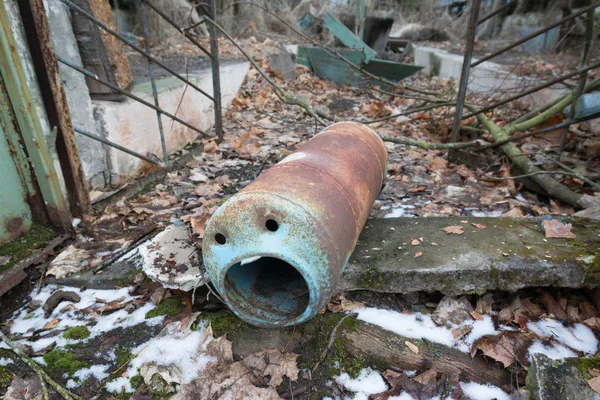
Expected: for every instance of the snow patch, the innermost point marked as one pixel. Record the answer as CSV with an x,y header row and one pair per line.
x,y
5,361
475,391
554,352
183,354
414,326
578,337
366,383
97,371
25,321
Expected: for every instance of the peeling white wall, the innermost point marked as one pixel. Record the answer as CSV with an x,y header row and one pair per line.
x,y
134,125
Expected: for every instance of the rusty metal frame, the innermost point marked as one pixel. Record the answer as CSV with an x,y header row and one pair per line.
x,y
468,64
30,129
37,31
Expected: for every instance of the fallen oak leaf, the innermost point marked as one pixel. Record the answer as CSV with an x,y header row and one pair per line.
x,y
479,226
556,229
415,242
418,254
595,384
454,229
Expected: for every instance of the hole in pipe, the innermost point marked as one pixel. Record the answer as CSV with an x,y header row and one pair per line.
x,y
272,225
220,238
268,289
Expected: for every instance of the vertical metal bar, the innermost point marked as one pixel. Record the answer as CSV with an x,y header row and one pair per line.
x,y
464,76
153,83
214,51
589,40
360,19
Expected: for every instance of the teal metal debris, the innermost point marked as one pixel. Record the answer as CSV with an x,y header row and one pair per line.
x,y
348,38
327,66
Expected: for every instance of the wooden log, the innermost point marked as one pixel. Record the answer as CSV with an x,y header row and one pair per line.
x,y
385,350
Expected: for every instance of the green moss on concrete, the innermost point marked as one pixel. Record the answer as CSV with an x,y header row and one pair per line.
x,y
22,247
371,279
77,332
585,364
5,379
169,307
221,323
60,361
494,273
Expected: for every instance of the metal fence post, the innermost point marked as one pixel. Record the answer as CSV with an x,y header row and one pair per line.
x,y
153,82
214,51
464,76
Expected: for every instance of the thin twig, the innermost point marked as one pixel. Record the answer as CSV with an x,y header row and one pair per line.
x,y
128,361
575,174
290,340
38,370
429,145
43,385
512,178
331,340
408,112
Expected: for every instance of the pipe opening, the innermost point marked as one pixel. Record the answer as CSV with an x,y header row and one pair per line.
x,y
272,225
220,238
267,288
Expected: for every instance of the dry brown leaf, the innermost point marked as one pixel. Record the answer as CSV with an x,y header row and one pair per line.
x,y
484,304
348,305
556,229
454,229
51,324
461,331
506,348
211,147
595,384
476,315
552,306
478,226
505,173
412,347
438,165
434,244
415,242
417,189
418,254
514,213
274,364
426,377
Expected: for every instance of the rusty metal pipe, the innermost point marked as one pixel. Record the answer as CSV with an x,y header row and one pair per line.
x,y
275,251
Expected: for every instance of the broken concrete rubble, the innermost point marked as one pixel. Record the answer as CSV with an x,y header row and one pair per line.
x,y
557,380
173,259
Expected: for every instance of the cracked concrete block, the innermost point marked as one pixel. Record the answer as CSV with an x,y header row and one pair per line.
x,y
285,64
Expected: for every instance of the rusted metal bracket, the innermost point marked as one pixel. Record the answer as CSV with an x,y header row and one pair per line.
x,y
37,31
276,250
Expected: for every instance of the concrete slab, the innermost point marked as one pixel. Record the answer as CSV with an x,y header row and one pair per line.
x,y
487,78
509,254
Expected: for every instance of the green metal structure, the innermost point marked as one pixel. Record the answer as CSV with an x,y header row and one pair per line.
x,y
30,185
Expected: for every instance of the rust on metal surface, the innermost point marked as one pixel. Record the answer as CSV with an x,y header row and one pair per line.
x,y
44,60
276,250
